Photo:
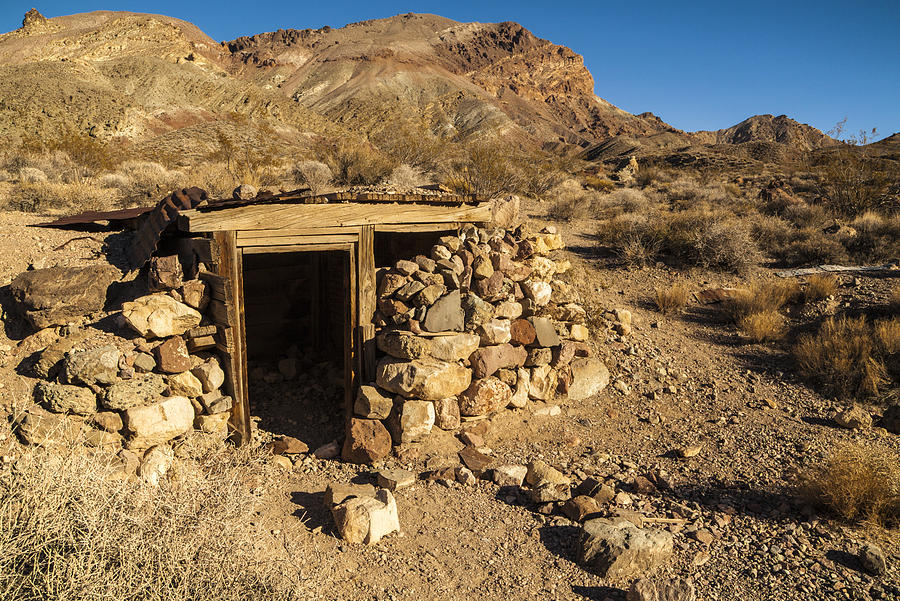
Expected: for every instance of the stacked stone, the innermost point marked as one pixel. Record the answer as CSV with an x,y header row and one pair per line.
x,y
141,393
481,324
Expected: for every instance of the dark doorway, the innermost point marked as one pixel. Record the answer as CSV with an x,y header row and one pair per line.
x,y
297,308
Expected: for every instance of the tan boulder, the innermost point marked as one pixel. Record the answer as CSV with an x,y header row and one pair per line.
x,y
426,379
484,396
453,348
589,376
150,425
159,316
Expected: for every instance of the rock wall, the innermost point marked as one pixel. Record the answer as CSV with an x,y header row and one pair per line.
x,y
152,381
482,324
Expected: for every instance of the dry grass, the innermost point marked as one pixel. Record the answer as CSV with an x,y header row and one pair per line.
x,y
888,333
858,483
765,326
672,299
820,287
895,298
844,356
70,531
762,297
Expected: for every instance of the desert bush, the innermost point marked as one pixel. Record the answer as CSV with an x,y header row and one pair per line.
x,y
809,247
488,169
672,299
415,145
70,529
693,237
888,333
761,297
894,301
805,215
572,201
212,177
763,326
858,482
852,180
684,189
820,286
314,174
249,158
405,178
626,200
356,163
843,357
597,182
32,175
51,196
648,175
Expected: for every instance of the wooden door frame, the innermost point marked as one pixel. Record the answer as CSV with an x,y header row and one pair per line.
x,y
358,332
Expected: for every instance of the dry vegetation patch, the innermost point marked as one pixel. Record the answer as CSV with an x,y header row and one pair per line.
x,y
858,483
672,299
71,529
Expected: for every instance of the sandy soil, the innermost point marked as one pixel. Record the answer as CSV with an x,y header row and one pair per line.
x,y
483,542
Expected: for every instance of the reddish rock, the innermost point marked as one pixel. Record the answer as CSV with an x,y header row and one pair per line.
x,y
446,414
367,441
580,507
564,353
488,288
522,332
390,307
288,445
475,460
487,360
390,283
172,356
484,396
165,273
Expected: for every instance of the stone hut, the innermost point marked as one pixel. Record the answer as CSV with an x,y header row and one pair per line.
x,y
437,308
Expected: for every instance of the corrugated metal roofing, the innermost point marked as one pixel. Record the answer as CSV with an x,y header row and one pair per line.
x,y
94,216
155,222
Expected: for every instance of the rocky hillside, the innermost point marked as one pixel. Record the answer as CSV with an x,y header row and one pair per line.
x,y
163,83
460,78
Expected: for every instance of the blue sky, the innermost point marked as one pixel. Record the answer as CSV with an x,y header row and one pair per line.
x,y
698,65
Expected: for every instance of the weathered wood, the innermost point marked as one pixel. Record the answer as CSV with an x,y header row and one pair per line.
x,y
417,227
205,249
367,361
233,351
275,242
200,331
293,216
201,343
244,236
256,250
222,312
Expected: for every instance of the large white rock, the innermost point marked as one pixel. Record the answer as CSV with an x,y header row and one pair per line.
x,y
543,383
159,316
453,348
539,292
150,425
495,331
210,375
156,464
621,550
367,519
425,379
523,383
185,384
589,376
416,420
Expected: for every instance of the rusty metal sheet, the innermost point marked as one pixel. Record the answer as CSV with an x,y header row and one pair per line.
x,y
156,221
715,295
89,217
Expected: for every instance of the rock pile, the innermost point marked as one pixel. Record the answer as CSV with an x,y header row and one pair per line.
x,y
480,324
135,393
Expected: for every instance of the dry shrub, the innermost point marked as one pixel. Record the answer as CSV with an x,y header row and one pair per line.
x,y
489,169
701,236
764,326
212,177
810,247
819,287
762,297
572,201
68,530
672,299
844,357
888,333
52,196
314,174
601,184
626,200
32,175
895,298
858,483
405,178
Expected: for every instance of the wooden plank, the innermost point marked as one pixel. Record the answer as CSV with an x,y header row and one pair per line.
x,y
205,249
221,312
292,216
294,248
200,331
280,241
241,346
366,338
366,302
233,353
418,227
291,232
201,343
351,349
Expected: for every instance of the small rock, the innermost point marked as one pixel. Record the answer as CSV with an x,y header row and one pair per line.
x,y
367,520
872,559
854,418
396,479
619,551
510,475
675,589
